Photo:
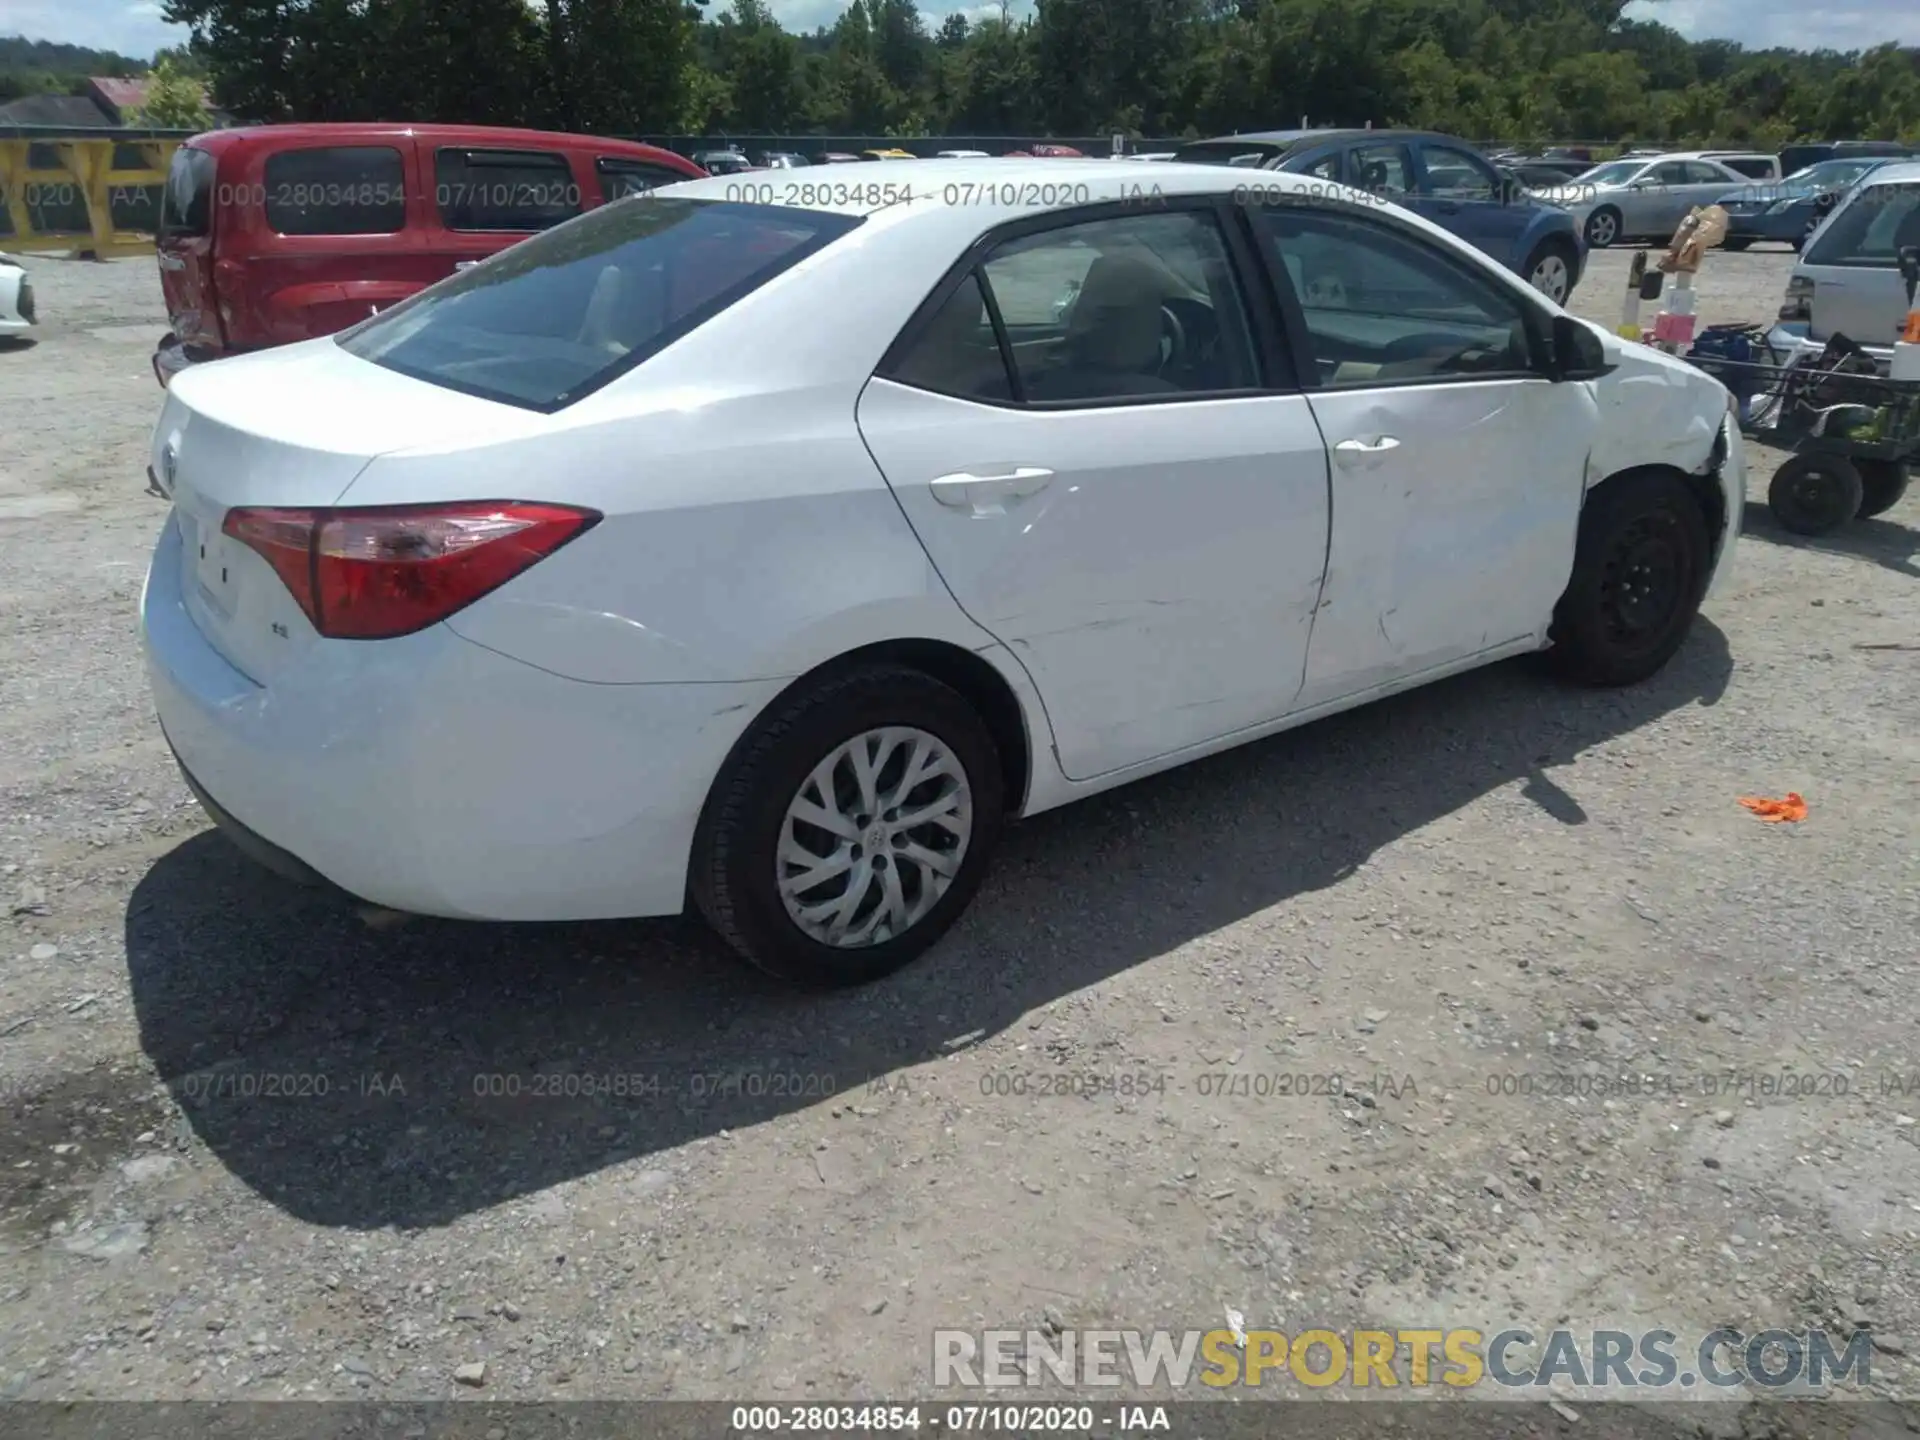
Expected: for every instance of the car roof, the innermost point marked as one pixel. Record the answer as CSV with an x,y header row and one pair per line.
x,y
1000,187
361,131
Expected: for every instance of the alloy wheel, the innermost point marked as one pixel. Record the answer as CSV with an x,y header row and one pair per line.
x,y
1551,276
874,837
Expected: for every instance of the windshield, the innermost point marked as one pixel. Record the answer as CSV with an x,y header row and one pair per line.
x,y
559,315
1872,228
1250,155
1619,172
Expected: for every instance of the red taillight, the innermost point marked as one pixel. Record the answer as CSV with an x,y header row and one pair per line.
x,y
379,572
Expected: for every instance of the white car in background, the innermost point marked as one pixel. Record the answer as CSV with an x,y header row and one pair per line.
x,y
775,557
1847,279
16,298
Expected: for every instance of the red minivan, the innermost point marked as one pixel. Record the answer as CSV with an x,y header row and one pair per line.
x,y
276,233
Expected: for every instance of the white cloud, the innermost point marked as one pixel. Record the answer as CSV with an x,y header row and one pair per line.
x,y
1773,23
131,29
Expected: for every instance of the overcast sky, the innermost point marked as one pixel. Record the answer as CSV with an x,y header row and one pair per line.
x,y
133,27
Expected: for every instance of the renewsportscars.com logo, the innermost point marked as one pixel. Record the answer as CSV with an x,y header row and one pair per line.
x,y
1721,1360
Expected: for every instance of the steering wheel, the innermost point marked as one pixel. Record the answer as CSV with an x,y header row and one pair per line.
x,y
1173,341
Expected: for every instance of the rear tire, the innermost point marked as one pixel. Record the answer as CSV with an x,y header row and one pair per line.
x,y
1882,484
755,847
1736,243
1603,228
1816,494
1640,568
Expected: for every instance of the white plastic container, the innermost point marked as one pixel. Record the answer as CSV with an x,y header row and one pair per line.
x,y
1906,361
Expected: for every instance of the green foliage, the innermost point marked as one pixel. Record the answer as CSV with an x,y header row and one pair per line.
x,y
174,100
1509,70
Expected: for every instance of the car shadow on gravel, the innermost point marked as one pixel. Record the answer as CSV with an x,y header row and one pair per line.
x,y
1885,542
362,1077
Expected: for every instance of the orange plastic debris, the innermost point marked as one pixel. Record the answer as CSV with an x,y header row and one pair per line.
x,y
1775,812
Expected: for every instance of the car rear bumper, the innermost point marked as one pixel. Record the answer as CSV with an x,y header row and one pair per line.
x,y
433,775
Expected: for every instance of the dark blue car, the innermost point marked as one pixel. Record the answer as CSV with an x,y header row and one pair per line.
x,y
1790,210
1438,177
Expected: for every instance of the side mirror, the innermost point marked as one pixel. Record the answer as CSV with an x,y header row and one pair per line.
x,y
1580,352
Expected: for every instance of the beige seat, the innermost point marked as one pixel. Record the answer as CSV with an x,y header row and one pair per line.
x,y
1112,344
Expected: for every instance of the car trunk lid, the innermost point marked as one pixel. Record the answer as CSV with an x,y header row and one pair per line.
x,y
288,428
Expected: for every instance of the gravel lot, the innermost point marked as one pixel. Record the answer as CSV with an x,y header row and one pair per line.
x,y
1490,878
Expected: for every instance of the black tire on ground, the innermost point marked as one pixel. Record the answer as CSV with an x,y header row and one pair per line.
x,y
1815,494
1736,242
1640,567
1882,484
734,865
1609,228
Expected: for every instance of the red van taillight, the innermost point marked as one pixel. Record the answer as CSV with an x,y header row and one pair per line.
x,y
383,571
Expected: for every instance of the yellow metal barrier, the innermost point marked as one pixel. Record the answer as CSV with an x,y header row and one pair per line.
x,y
86,175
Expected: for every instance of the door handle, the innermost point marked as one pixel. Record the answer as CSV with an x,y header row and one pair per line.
x,y
1353,451
985,494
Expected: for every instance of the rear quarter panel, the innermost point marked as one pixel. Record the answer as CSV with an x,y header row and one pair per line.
x,y
748,532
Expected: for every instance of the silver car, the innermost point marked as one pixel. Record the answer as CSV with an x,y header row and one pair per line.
x,y
1643,198
1847,281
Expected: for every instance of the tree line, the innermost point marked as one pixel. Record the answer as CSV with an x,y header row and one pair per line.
x,y
1514,70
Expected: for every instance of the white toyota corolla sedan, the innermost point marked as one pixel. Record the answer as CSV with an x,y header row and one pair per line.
x,y
768,544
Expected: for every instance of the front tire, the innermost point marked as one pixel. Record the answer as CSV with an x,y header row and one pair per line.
x,y
1816,494
1640,568
851,827
1603,227
1882,484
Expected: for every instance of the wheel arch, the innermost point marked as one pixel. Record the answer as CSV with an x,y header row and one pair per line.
x,y
1009,719
1704,487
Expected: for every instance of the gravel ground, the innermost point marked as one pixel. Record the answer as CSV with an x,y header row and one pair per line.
x,y
1490,879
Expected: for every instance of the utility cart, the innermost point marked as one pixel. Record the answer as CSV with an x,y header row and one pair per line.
x,y
1854,432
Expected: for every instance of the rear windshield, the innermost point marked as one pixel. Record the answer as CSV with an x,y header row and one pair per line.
x,y
1250,155
186,201
555,317
1872,229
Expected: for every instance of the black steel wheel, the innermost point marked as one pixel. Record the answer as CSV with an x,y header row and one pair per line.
x,y
1816,494
1639,571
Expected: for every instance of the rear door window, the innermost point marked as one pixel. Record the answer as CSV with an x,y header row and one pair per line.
x,y
186,201
1382,170
562,314
511,190
619,177
342,190
1872,229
